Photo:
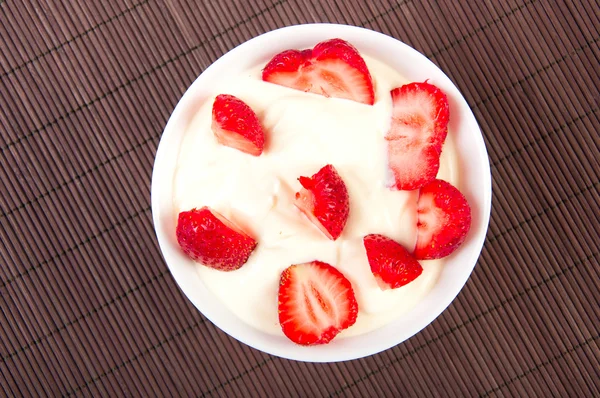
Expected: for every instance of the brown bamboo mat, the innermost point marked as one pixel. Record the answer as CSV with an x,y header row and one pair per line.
x,y
87,304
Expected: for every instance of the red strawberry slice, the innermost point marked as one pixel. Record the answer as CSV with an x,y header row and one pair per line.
x,y
391,264
325,201
211,239
417,133
443,220
236,125
316,302
333,68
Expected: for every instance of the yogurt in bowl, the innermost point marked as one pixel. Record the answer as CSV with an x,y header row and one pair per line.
x,y
307,131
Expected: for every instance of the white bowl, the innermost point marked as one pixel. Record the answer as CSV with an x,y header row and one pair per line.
x,y
475,185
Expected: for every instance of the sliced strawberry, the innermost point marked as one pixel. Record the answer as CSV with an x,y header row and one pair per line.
x,y
418,131
391,264
236,125
325,201
211,239
316,302
443,220
333,68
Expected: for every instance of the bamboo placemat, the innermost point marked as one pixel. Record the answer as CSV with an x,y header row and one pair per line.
x,y
87,305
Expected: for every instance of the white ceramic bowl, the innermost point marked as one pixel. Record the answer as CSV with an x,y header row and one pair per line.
x,y
475,185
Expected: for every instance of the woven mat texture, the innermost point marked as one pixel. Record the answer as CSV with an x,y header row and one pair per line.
x,y
87,304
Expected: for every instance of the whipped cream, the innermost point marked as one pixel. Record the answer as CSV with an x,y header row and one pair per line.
x,y
304,132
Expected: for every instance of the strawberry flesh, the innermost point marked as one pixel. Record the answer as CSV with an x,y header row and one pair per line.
x,y
443,220
333,68
418,130
324,200
236,125
209,238
316,302
391,264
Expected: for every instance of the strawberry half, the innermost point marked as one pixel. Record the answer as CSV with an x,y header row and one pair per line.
x,y
236,125
418,131
211,239
316,302
333,68
391,264
443,220
325,201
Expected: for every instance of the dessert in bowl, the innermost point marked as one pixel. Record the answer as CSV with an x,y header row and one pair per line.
x,y
255,188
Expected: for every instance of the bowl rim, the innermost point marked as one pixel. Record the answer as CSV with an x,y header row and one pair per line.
x,y
478,191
